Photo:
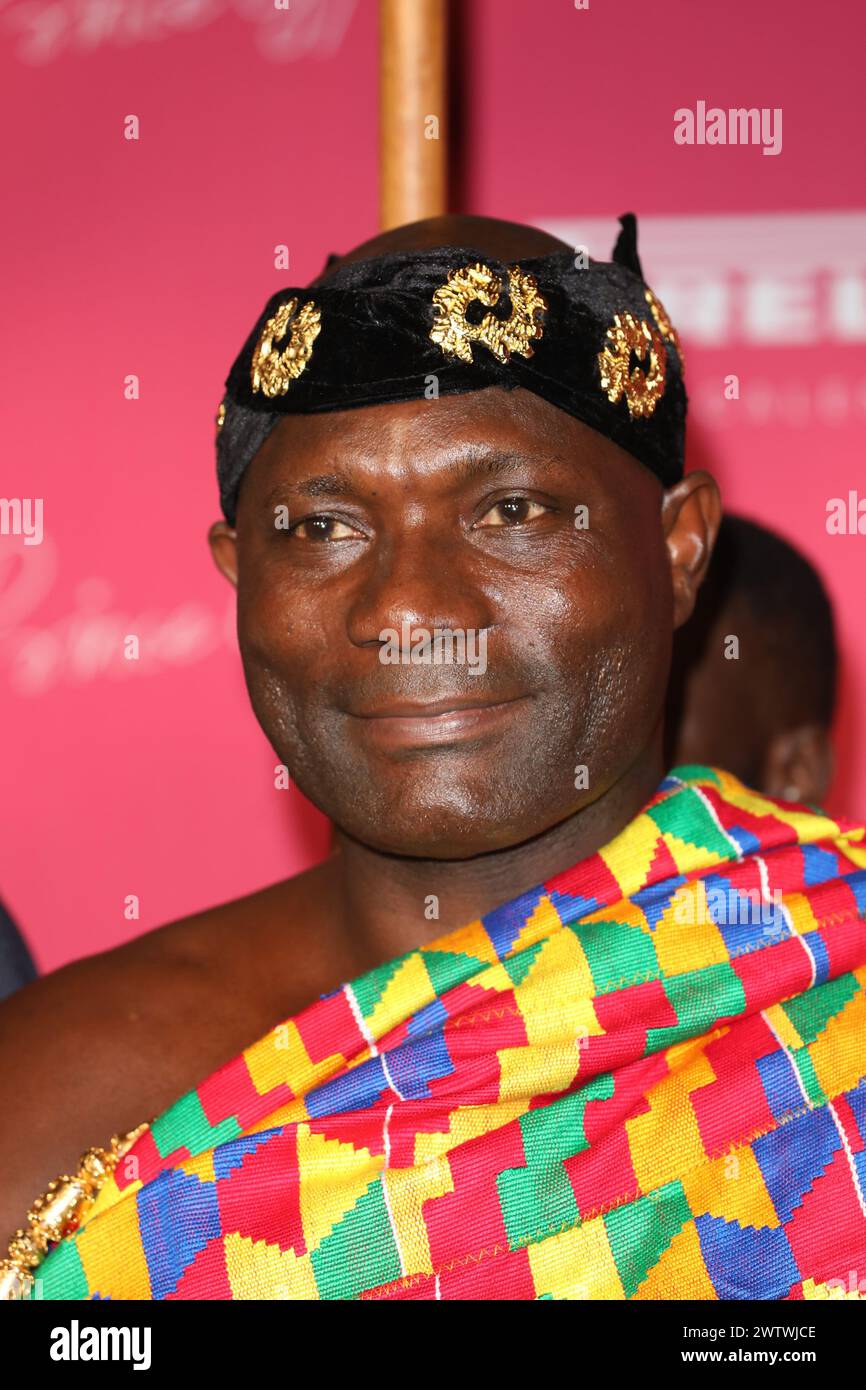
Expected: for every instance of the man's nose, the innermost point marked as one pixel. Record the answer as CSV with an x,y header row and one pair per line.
x,y
422,582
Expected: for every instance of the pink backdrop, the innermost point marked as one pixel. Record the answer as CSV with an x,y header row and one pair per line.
x,y
258,128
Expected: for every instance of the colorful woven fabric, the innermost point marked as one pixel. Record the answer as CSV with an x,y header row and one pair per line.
x,y
645,1078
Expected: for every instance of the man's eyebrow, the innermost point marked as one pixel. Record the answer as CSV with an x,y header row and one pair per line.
x,y
326,485
319,485
470,463
463,466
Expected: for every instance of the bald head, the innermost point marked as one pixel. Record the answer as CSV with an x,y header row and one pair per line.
x,y
506,241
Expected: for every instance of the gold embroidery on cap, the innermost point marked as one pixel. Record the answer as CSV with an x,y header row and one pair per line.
x,y
455,334
664,324
272,371
642,389
221,416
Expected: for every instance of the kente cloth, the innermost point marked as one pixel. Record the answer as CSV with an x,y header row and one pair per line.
x,y
642,1079
590,337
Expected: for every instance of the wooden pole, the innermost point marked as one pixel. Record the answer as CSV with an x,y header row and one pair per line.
x,y
412,110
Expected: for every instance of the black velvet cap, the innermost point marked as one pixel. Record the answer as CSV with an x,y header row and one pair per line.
x,y
597,344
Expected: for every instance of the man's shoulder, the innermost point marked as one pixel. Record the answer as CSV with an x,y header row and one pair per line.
x,y
100,1044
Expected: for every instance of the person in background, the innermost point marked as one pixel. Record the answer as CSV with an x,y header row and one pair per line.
x,y
16,963
753,680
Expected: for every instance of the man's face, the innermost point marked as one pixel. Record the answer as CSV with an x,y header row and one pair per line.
x,y
457,513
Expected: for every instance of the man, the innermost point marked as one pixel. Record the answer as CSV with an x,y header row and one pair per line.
x,y
753,681
494,1047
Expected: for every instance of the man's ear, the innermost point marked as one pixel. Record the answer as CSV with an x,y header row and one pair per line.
x,y
691,514
223,540
798,765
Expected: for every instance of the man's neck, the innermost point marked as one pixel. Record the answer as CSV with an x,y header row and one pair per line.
x,y
381,905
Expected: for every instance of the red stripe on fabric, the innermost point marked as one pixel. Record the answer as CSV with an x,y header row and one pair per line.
x,y
261,1198
830,1207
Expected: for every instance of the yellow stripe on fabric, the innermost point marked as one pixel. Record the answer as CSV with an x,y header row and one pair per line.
x,y
201,1166
837,1054
407,1189
555,997
782,1026
853,851
802,914
666,1139
542,920
333,1176
685,937
495,979
623,912
471,940
295,1110
731,1187
630,854
537,1070
112,1255
689,857
257,1270
407,991
813,1291
107,1197
280,1058
467,1122
808,825
286,1114
576,1264
680,1272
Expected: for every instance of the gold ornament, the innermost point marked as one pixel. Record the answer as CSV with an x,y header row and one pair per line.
x,y
642,388
664,324
272,371
455,334
221,416
58,1212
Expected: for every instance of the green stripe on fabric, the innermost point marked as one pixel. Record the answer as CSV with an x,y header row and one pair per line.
x,y
449,968
368,990
699,999
618,953
517,967
640,1232
806,1067
686,817
359,1252
536,1202
61,1274
186,1125
539,1199
811,1012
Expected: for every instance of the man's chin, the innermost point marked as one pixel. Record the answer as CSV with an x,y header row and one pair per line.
x,y
440,830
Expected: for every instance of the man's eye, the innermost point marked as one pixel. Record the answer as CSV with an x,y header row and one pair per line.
x,y
324,528
512,511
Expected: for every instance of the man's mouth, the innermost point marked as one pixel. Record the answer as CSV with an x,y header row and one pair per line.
x,y
408,723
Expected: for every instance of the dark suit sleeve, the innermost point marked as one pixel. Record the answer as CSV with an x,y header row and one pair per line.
x,y
16,963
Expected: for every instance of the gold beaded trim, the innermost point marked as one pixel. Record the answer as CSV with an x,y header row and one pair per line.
x,y
664,325
273,371
642,388
455,334
58,1212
